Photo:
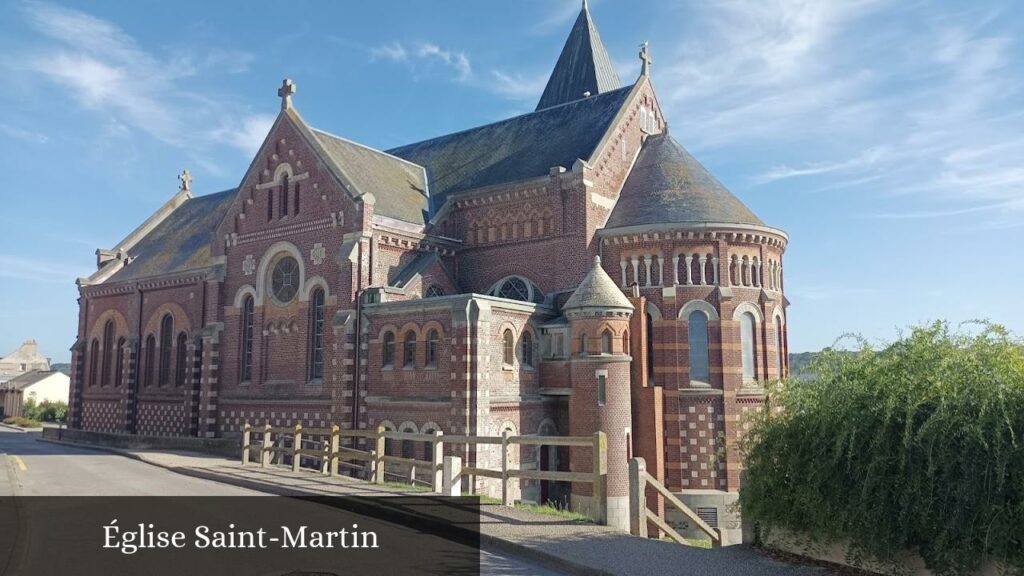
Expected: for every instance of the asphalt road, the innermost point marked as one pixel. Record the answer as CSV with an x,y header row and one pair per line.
x,y
33,468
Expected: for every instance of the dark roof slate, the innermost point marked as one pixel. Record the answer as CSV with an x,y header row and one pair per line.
x,y
523,147
181,242
667,185
597,290
583,66
398,186
22,381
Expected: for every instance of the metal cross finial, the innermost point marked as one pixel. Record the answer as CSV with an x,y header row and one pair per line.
x,y
186,181
645,56
285,92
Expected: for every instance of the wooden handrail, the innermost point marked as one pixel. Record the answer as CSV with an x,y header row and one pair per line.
x,y
639,514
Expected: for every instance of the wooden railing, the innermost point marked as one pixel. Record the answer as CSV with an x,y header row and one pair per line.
x,y
640,515
276,442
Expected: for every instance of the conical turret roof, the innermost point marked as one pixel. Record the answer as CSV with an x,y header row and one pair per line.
x,y
597,290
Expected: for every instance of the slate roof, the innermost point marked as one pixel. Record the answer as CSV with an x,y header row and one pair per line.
x,y
515,149
597,290
583,66
22,381
417,265
667,185
399,187
181,242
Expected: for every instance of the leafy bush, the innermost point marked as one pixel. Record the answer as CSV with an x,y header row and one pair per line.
x,y
46,411
916,447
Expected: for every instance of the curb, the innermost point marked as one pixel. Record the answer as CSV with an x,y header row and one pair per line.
x,y
18,428
379,511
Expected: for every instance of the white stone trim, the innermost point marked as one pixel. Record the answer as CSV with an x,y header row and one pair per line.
x,y
271,256
311,283
242,292
702,305
747,307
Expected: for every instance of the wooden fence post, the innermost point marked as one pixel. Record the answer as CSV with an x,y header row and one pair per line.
x,y
504,469
378,463
637,497
452,476
600,471
335,448
436,461
296,446
246,434
265,452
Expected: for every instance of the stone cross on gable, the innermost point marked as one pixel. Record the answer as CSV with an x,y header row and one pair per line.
x,y
186,181
645,56
285,92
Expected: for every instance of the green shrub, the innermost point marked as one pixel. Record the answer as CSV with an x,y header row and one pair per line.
x,y
46,411
917,447
22,422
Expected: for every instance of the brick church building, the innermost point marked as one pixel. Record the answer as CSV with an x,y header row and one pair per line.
x,y
569,270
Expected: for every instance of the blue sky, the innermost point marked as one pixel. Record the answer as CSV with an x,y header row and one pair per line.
x,y
886,136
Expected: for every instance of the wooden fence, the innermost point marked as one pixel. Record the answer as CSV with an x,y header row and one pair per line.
x,y
276,442
640,515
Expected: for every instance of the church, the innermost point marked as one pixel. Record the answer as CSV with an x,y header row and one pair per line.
x,y
569,270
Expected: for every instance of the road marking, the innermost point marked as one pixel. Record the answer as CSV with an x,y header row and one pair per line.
x,y
21,463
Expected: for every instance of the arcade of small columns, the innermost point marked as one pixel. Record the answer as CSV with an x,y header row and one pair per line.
x,y
743,271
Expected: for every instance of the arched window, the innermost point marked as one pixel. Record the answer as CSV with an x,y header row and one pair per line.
x,y
583,343
432,342
119,363
698,342
270,205
747,331
166,332
389,349
150,360
181,360
527,343
514,289
780,348
428,446
625,342
433,292
316,331
298,193
508,347
650,348
247,322
409,350
606,342
108,352
284,196
94,360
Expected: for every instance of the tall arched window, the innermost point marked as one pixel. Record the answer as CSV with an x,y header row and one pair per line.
x,y
508,347
625,342
316,331
432,342
409,350
650,348
94,360
388,349
119,363
150,360
747,331
583,343
780,349
698,341
181,360
166,332
606,342
284,196
108,352
246,352
527,343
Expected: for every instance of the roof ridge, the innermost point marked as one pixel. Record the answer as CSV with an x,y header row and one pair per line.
x,y
366,146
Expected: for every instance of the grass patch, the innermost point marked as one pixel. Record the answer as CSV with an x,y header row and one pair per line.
x,y
22,422
407,486
546,509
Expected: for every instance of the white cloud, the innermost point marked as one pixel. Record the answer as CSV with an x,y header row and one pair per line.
x,y
866,159
456,60
24,134
22,268
518,87
246,134
424,56
393,51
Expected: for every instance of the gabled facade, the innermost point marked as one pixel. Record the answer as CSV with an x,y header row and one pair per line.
x,y
451,285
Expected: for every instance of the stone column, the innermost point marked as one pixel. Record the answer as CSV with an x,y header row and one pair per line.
x,y
661,270
714,270
689,269
622,264
675,269
647,270
745,271
636,269
703,261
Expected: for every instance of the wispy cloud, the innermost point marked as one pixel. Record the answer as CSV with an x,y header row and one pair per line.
x,y
23,134
518,86
104,69
423,57
867,158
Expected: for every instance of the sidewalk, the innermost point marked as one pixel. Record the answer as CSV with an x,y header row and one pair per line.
x,y
573,547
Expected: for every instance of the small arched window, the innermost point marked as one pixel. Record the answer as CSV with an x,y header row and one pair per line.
x,y
650,348
284,196
527,343
508,347
583,343
389,349
166,332
150,360
181,360
606,342
94,360
409,350
748,326
514,289
246,351
780,347
108,352
625,342
432,343
433,291
316,332
697,326
119,363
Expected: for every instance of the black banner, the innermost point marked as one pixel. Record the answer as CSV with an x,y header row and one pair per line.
x,y
257,535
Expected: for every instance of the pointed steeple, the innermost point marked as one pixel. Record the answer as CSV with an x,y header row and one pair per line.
x,y
583,69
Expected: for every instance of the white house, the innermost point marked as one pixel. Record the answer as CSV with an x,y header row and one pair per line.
x,y
40,385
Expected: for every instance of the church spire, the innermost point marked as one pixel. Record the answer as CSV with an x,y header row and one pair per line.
x,y
583,67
